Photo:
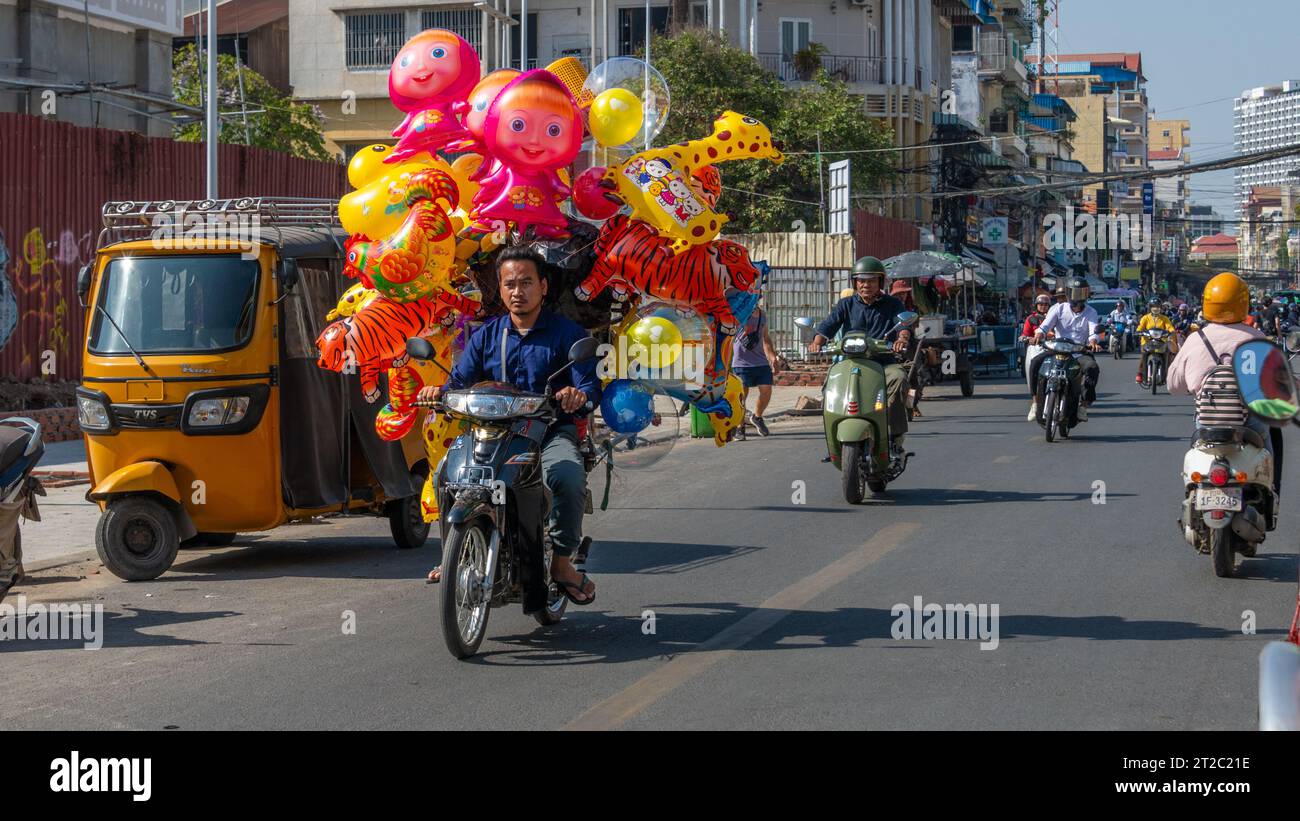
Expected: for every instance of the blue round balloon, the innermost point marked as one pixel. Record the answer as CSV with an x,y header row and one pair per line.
x,y
627,406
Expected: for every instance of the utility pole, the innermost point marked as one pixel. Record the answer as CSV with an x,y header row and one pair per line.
x,y
213,127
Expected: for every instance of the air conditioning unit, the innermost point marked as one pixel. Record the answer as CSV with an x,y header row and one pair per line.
x,y
863,4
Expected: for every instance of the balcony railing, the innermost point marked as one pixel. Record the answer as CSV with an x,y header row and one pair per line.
x,y
850,69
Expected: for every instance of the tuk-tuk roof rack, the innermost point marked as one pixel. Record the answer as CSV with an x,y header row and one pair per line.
x,y
131,219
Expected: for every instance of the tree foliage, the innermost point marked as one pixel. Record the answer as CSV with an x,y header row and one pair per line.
x,y
279,123
706,76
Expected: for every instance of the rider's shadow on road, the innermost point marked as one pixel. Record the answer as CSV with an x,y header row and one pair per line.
x,y
124,629
614,556
720,626
928,496
325,557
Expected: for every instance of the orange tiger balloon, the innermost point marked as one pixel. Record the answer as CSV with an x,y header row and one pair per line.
x,y
632,255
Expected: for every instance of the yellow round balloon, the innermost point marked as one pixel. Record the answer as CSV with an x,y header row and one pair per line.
x,y
660,339
615,117
461,171
378,207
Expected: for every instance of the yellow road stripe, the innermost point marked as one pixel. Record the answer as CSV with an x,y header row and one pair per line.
x,y
614,711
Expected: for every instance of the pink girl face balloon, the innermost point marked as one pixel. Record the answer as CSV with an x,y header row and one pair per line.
x,y
480,99
434,65
534,123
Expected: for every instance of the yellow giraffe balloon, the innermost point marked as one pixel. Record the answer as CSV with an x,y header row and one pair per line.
x,y
656,184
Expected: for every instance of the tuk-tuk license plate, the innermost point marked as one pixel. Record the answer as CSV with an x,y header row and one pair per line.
x,y
1227,498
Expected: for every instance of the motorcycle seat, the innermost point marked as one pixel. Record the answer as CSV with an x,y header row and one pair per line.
x,y
13,444
1228,435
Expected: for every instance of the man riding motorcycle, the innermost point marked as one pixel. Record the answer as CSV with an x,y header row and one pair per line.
x,y
1042,303
873,312
523,347
1225,307
1155,319
1076,321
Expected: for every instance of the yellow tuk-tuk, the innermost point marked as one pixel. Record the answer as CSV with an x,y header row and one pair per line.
x,y
202,407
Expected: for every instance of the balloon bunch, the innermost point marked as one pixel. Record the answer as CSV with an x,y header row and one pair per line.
x,y
480,162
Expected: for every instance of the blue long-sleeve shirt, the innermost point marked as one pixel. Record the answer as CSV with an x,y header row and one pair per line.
x,y
498,352
852,314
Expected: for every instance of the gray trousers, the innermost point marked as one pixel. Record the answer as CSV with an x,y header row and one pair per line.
x,y
566,479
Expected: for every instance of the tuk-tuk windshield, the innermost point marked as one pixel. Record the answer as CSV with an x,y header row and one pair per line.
x,y
176,304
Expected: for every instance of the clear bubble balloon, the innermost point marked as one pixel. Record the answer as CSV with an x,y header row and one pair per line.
x,y
645,447
645,82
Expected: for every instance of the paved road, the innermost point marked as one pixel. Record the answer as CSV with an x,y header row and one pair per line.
x,y
769,613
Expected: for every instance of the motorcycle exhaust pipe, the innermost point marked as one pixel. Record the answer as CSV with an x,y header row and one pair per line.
x,y
1249,525
1189,532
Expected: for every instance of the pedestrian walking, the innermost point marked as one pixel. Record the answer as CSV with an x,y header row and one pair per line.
x,y
753,360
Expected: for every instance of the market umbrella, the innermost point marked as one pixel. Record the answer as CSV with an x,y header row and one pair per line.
x,y
914,264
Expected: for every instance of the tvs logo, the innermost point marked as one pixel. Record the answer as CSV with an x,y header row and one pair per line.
x,y
145,413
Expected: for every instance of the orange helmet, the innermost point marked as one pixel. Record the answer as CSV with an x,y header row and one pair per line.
x,y
1226,299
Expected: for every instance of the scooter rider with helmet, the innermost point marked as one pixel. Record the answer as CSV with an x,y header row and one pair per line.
x,y
1155,319
1076,321
873,312
1225,306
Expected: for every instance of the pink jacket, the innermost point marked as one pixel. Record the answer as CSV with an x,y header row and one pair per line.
x,y
1193,362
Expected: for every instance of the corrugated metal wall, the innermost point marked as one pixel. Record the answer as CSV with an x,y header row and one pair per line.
x,y
883,237
54,177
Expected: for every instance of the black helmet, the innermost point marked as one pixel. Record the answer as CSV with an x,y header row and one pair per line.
x,y
867,267
1078,289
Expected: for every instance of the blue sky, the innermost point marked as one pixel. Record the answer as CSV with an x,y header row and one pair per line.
x,y
1194,52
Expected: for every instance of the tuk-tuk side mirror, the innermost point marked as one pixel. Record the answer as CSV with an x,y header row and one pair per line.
x,y
1265,382
287,275
83,284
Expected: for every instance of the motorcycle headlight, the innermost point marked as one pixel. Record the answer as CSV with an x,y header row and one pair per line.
x,y
525,405
225,410
91,414
854,345
488,406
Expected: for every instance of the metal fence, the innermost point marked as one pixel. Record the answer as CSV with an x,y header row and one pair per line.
x,y
796,292
56,177
849,68
468,23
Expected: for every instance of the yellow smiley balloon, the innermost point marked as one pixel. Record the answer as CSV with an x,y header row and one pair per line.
x,y
378,207
660,340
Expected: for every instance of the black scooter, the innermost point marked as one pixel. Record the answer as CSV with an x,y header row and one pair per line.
x,y
495,504
21,449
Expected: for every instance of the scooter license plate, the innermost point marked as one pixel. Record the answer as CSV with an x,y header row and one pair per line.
x,y
1226,498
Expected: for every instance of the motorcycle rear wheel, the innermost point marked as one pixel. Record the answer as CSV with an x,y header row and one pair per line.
x,y
852,475
1221,552
464,566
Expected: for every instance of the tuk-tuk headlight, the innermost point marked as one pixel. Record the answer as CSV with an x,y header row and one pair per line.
x,y
225,410
91,414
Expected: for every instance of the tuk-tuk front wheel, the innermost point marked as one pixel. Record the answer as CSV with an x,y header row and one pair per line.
x,y
136,538
406,522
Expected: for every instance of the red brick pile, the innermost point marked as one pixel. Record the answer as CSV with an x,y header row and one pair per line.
x,y
803,373
57,424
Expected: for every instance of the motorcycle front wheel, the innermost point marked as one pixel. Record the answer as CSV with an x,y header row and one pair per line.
x,y
464,577
1153,377
851,473
1049,416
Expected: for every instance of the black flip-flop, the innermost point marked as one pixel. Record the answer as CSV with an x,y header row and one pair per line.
x,y
565,587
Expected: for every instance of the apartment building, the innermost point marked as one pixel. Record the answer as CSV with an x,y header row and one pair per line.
x,y
1263,118
894,54
1266,226
1168,135
1108,93
1203,221
107,63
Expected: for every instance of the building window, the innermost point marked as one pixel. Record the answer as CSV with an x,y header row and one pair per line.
x,y
963,38
795,34
1164,133
515,53
700,14
468,23
631,28
372,39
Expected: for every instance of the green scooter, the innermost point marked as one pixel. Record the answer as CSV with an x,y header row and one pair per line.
x,y
853,411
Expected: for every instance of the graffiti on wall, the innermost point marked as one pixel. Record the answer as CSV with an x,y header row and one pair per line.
x,y
33,282
8,299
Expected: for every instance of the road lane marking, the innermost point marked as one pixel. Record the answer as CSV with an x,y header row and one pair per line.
x,y
616,710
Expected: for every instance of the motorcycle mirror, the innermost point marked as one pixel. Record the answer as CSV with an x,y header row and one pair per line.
x,y
1292,341
807,328
584,350
1265,381
419,349
908,318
